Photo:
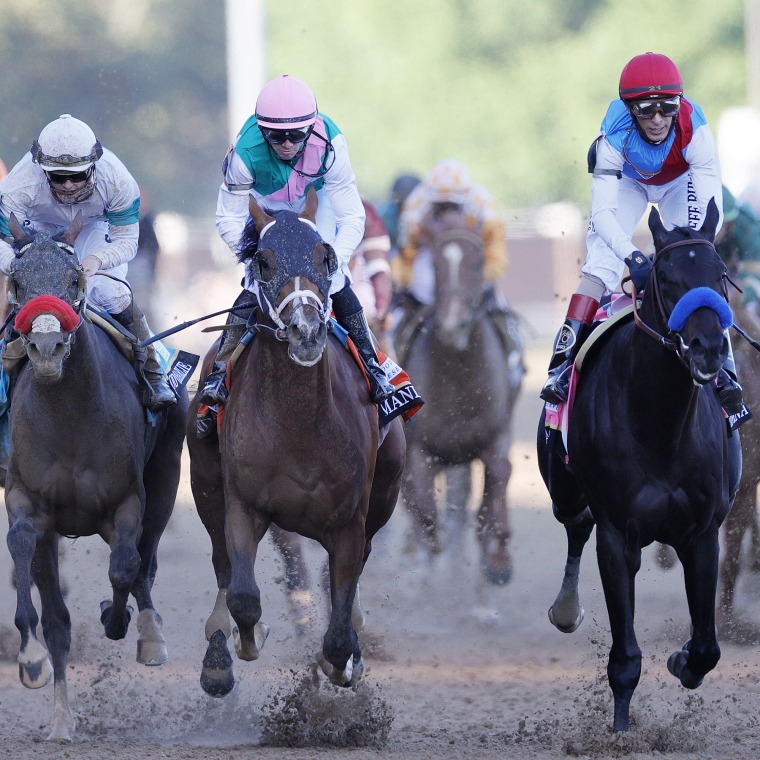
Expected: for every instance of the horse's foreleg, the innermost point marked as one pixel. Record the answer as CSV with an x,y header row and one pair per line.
x,y
300,597
56,626
217,677
123,567
618,566
566,613
493,518
35,668
700,568
244,533
341,656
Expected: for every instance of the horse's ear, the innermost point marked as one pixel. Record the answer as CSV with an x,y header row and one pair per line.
x,y
16,229
70,235
312,203
710,223
260,217
657,228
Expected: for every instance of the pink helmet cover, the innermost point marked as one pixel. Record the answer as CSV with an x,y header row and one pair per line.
x,y
286,103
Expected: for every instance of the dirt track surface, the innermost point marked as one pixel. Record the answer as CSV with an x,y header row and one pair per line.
x,y
454,669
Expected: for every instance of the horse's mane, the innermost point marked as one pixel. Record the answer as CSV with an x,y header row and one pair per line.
x,y
249,240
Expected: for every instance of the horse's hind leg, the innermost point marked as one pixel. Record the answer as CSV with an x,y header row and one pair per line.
x,y
341,657
419,497
244,533
161,479
735,528
566,613
123,567
290,546
56,626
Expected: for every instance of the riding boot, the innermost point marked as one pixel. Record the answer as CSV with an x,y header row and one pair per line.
x,y
567,344
358,331
215,386
161,394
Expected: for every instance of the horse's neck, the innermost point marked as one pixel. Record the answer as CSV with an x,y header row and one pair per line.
x,y
284,381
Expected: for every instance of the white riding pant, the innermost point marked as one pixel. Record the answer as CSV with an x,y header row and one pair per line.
x,y
677,204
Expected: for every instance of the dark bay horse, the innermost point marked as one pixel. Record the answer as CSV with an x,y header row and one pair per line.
x,y
650,457
84,461
298,448
469,371
742,520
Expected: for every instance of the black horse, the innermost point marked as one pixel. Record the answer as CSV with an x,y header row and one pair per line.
x,y
299,447
650,454
84,460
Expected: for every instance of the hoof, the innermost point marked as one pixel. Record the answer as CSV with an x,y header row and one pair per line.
x,y
151,645
113,628
498,577
251,649
217,678
567,627
677,667
34,667
336,676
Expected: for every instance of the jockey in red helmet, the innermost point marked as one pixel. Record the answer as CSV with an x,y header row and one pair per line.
x,y
654,146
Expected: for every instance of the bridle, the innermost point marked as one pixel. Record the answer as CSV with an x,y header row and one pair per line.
x,y
654,283
301,297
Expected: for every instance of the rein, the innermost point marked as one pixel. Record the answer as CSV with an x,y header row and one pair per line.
x,y
665,342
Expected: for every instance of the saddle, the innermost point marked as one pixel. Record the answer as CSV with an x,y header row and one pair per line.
x,y
404,402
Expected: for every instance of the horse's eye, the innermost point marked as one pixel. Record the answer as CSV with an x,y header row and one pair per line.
x,y
264,264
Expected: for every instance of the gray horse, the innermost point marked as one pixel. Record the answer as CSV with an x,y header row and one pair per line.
x,y
465,357
85,460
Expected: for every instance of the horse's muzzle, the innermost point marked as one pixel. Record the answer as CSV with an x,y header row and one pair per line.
x,y
306,341
46,352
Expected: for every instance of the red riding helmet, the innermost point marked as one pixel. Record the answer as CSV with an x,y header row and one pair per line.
x,y
650,75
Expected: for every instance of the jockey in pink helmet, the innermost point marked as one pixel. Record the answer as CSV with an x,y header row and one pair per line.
x,y
286,147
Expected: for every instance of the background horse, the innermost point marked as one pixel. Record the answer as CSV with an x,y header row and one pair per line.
x,y
650,455
84,461
298,447
469,371
742,522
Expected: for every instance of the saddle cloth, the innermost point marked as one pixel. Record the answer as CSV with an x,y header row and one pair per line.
x,y
405,400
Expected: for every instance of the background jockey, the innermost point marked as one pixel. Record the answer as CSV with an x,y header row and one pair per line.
x,y
371,270
654,146
738,243
448,182
67,172
285,148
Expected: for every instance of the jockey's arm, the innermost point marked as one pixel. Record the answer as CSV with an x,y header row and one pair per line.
x,y
119,247
702,155
604,201
495,243
231,215
346,203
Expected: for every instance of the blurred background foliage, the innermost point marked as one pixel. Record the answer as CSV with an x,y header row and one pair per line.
x,y
515,89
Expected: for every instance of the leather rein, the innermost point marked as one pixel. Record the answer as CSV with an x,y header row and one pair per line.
x,y
666,342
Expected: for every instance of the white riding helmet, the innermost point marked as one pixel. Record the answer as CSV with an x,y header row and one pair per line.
x,y
449,181
66,145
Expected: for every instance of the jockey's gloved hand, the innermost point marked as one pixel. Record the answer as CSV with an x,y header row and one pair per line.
x,y
639,267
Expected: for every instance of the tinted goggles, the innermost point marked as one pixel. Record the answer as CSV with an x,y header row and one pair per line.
x,y
646,109
279,136
61,178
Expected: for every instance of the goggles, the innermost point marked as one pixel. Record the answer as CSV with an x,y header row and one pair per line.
x,y
279,136
61,178
646,109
